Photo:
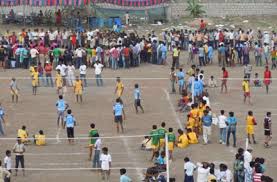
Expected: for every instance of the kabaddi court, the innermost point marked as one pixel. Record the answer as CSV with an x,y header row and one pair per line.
x,y
59,161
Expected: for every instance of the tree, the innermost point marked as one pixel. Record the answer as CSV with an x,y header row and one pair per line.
x,y
195,8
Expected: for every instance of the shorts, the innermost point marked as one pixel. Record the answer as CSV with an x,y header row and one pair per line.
x,y
137,102
61,114
119,93
154,147
267,132
170,146
250,129
70,132
35,83
15,92
78,92
162,142
246,94
118,119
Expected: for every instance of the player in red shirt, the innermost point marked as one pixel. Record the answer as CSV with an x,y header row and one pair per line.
x,y
267,78
224,79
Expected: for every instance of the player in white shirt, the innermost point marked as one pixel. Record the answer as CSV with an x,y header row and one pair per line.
x,y
83,73
106,164
98,70
222,119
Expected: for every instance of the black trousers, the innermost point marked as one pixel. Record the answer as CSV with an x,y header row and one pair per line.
x,y
19,159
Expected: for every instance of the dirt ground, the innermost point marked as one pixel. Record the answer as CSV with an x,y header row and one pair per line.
x,y
38,112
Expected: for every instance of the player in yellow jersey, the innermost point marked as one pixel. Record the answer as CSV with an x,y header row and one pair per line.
x,y
190,122
250,122
22,133
119,87
39,139
192,137
59,82
32,69
246,89
183,141
35,80
78,89
194,113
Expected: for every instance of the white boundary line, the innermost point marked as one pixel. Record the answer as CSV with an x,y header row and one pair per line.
x,y
172,109
126,145
58,135
78,169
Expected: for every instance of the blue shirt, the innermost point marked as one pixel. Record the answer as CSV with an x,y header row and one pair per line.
x,y
221,50
124,178
161,160
69,121
181,75
207,120
197,85
210,51
61,105
118,109
137,94
232,120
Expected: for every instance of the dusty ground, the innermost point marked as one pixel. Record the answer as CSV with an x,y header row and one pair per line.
x,y
38,112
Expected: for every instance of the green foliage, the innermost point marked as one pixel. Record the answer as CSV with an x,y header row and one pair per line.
x,y
195,8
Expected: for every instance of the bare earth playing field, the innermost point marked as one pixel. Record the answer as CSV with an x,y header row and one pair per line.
x,y
39,112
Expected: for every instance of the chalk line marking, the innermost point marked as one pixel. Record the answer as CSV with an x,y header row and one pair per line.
x,y
172,109
130,157
58,135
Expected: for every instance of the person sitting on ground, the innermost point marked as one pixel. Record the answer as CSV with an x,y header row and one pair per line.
x,y
146,143
190,122
257,81
183,141
212,82
39,139
192,137
182,105
23,134
161,163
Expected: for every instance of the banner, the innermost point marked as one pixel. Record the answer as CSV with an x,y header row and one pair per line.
x,y
78,3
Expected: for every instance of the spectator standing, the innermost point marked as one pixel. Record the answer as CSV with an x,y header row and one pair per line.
x,y
48,74
2,120
106,164
19,150
231,129
83,73
222,119
189,168
98,70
